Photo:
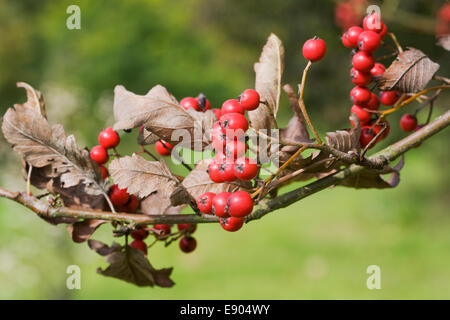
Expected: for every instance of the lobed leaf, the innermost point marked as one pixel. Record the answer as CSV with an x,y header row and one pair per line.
x,y
157,111
269,71
142,177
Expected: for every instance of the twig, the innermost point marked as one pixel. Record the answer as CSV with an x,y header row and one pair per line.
x,y
411,99
386,155
143,150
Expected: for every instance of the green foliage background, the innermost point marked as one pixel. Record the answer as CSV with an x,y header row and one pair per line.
x,y
317,248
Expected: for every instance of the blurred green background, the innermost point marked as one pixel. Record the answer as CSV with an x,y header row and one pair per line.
x,y
317,248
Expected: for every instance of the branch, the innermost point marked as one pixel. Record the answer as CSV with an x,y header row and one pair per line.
x,y
386,155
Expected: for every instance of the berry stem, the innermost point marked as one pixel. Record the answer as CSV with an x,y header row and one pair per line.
x,y
397,44
30,168
280,169
402,103
301,102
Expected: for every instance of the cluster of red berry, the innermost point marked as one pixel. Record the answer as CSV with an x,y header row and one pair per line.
x,y
231,208
187,243
230,163
365,41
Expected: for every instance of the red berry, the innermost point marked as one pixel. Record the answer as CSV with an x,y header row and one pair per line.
x,y
164,228
360,78
231,223
226,171
377,69
363,115
346,42
140,245
360,95
132,204
389,98
139,234
245,168
314,49
235,149
373,22
214,171
219,204
369,41
408,122
188,244
353,34
240,204
366,136
163,148
105,172
363,61
235,124
379,127
119,197
203,102
374,102
218,137
187,226
204,202
249,99
217,112
108,138
189,102
99,154
232,106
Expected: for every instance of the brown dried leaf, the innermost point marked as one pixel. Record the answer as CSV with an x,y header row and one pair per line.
x,y
203,125
269,71
371,178
146,137
198,182
81,231
132,266
35,100
410,72
41,145
159,203
344,140
158,111
142,177
444,41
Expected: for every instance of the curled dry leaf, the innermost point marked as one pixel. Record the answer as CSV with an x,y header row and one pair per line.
x,y
269,71
444,41
410,72
81,231
142,177
157,111
198,182
102,248
159,203
371,178
35,100
131,265
344,140
146,137
41,145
